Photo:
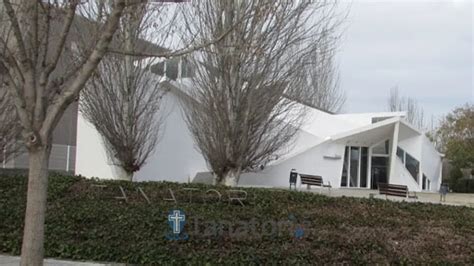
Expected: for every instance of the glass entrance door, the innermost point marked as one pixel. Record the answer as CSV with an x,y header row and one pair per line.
x,y
379,171
354,170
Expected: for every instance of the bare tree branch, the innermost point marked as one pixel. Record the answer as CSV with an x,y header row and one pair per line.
x,y
323,78
192,44
71,92
415,113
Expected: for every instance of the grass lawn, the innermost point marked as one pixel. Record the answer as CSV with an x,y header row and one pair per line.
x,y
87,222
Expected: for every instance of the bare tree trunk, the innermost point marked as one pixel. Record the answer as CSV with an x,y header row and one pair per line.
x,y
33,237
231,178
122,174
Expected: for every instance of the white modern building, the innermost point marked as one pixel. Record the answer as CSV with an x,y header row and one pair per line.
x,y
347,150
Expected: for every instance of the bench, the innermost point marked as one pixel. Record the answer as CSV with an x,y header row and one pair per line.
x,y
395,190
314,180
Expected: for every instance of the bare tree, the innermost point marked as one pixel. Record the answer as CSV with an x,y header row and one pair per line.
x,y
415,113
239,114
34,38
123,104
122,99
323,77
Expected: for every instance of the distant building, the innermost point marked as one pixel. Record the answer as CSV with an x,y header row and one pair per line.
x,y
63,152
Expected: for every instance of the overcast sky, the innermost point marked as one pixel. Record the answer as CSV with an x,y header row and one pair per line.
x,y
423,47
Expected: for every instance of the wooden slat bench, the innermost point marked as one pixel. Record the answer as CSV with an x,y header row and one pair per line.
x,y
395,190
314,180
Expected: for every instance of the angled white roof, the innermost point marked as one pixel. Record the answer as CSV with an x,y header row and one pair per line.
x,y
319,127
324,125
365,129
366,118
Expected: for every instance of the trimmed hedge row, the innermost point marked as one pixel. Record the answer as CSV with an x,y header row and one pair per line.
x,y
86,222
464,185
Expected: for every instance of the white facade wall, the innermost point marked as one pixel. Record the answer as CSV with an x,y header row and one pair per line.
x,y
421,148
302,142
412,146
312,162
175,158
91,157
431,164
403,177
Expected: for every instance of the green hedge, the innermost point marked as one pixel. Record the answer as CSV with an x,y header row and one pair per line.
x,y
86,222
464,185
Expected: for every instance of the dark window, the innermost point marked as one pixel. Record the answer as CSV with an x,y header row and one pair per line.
x,y
378,119
363,167
400,154
412,166
423,185
344,168
379,171
354,169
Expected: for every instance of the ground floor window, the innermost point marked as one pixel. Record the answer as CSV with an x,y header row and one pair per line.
x,y
344,168
411,164
355,167
363,166
426,185
379,170
401,154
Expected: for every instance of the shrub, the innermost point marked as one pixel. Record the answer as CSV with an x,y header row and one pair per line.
x,y
464,185
86,222
454,175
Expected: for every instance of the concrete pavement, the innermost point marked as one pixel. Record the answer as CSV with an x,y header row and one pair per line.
x,y
15,261
455,199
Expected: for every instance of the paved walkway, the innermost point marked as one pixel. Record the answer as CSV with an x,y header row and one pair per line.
x,y
454,199
15,261
457,199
